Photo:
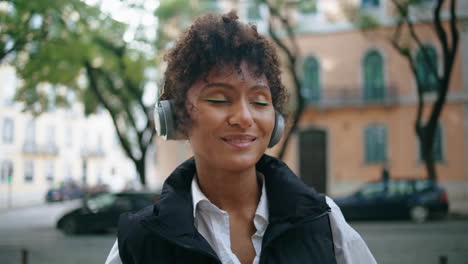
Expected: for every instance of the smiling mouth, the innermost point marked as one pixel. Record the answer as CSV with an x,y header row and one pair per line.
x,y
239,141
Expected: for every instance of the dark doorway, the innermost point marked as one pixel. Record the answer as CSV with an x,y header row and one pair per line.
x,y
313,158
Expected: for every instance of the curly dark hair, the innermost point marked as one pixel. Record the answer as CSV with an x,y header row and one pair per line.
x,y
215,40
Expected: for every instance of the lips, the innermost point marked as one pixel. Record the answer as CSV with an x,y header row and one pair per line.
x,y
239,141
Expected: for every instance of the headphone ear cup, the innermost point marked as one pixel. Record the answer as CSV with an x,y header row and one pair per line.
x,y
164,119
278,130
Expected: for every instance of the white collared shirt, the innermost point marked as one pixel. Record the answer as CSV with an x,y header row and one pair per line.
x,y
213,224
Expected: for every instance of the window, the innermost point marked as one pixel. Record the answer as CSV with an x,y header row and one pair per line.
x,y
30,132
372,190
29,172
375,140
209,5
427,68
253,12
51,147
399,188
370,3
6,173
8,131
311,83
49,171
437,147
307,6
374,89
69,137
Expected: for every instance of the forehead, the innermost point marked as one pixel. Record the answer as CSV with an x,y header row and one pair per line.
x,y
229,73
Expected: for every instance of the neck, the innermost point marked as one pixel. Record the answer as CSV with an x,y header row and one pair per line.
x,y
231,191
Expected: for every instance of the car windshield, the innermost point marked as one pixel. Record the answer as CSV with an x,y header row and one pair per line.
x,y
101,201
372,190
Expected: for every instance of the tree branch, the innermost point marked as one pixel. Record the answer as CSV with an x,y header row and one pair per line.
x,y
94,86
439,29
427,59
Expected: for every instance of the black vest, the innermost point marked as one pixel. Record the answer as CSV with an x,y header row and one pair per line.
x,y
298,231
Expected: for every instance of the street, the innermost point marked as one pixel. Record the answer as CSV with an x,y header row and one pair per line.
x,y
391,242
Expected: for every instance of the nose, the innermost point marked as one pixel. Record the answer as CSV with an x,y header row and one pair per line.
x,y
241,115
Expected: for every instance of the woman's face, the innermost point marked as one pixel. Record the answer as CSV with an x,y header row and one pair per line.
x,y
233,118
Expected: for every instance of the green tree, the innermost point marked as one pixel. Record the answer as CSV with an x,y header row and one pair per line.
x,y
62,42
423,63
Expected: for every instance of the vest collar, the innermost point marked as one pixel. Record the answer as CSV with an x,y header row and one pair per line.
x,y
289,201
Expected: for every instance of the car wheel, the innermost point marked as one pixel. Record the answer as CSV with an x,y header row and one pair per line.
x,y
419,214
70,227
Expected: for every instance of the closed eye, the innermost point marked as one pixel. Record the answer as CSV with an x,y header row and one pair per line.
x,y
215,100
262,103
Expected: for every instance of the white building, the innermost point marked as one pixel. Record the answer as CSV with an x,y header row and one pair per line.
x,y
37,153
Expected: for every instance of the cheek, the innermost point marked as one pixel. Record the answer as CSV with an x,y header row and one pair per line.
x,y
268,122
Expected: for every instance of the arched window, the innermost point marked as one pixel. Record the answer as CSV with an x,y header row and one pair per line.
x,y
374,87
311,82
427,68
375,143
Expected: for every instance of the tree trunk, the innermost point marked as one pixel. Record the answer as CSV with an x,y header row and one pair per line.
x,y
140,167
426,135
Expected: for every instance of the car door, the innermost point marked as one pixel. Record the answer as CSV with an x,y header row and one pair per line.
x,y
369,200
120,205
395,199
98,211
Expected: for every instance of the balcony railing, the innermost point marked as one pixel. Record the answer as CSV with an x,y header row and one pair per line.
x,y
87,152
37,149
338,97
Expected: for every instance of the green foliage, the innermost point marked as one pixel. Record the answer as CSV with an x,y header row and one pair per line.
x,y
307,6
367,22
54,43
170,8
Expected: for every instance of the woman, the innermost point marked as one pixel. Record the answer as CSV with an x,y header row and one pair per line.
x,y
231,203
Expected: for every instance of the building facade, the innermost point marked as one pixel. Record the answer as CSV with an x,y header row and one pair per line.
x,y
59,146
362,100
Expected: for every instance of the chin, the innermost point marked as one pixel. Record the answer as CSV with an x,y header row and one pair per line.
x,y
240,162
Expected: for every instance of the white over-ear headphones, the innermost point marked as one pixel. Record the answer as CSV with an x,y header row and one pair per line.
x,y
165,126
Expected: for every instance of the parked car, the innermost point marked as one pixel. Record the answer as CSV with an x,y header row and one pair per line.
x,y
418,200
100,212
66,191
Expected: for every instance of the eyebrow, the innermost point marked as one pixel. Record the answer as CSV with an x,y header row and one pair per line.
x,y
230,87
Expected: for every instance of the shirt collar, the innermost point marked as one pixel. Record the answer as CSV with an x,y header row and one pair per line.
x,y
262,207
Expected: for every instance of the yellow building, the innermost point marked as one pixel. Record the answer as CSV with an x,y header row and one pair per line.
x,y
37,153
